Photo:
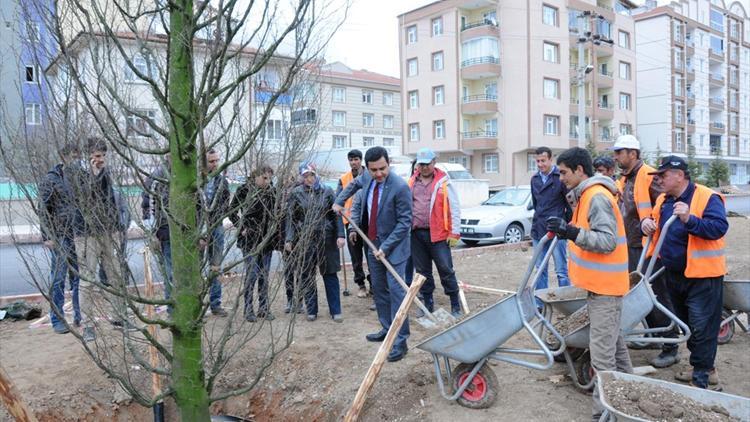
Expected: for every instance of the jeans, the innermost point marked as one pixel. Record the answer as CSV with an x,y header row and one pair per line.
x,y
256,270
424,252
698,303
331,283
215,258
559,255
388,296
292,291
64,264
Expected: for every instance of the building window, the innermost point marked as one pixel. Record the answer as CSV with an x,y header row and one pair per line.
x,y
387,122
531,162
414,132
411,34
339,118
32,32
137,126
480,50
626,129
437,61
717,20
388,142
623,39
368,120
273,130
551,125
388,98
624,101
679,142
464,161
413,99
33,114
412,67
491,163
551,88
31,75
438,129
141,65
437,27
549,15
551,52
624,70
339,94
366,96
438,95
339,141
368,141
490,127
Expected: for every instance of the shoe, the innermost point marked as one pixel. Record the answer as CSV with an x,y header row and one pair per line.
x,y
312,317
250,317
665,359
338,318
124,325
266,315
687,376
219,311
60,328
712,387
362,292
456,312
377,337
373,307
397,354
77,322
288,308
88,334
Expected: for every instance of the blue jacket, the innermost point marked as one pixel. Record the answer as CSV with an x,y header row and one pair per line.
x,y
712,226
548,200
394,216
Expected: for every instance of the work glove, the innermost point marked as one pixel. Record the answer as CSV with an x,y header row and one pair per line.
x,y
452,242
562,229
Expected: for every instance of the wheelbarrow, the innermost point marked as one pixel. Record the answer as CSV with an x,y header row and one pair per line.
x,y
474,341
736,406
736,303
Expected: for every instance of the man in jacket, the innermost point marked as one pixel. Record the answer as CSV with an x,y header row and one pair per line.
x,y
598,259
548,200
384,208
436,224
605,166
60,219
215,200
693,255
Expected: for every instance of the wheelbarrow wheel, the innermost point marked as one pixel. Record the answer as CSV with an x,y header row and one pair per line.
x,y
584,369
726,331
481,392
574,353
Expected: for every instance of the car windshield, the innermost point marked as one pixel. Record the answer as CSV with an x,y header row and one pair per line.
x,y
460,175
509,197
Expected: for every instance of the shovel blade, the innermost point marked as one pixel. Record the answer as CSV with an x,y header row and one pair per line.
x,y
444,317
426,323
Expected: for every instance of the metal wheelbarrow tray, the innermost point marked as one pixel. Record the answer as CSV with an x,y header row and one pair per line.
x,y
738,407
565,300
736,302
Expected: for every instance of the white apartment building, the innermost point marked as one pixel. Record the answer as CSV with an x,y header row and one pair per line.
x,y
484,83
694,81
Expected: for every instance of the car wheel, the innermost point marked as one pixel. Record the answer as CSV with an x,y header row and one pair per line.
x,y
470,242
514,233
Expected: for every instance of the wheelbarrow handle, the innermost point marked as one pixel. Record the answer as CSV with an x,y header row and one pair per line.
x,y
658,246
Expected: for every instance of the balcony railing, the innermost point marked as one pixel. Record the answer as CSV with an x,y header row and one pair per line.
x,y
605,5
605,106
574,135
480,60
477,24
717,101
718,125
574,101
713,52
478,98
717,77
607,74
691,121
479,134
690,95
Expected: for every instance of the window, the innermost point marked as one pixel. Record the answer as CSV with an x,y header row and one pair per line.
x,y
551,52
551,125
388,98
490,127
339,141
411,34
366,96
531,162
388,142
413,99
464,161
623,39
549,15
624,101
480,50
304,116
33,114
438,129
437,61
387,122
717,45
412,67
273,130
717,20
368,141
413,132
339,118
137,126
491,163
31,76
438,95
141,65
624,70
625,129
339,94
679,142
32,32
551,88
437,27
368,120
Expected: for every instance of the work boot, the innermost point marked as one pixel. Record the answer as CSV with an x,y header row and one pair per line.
x,y
219,311
266,315
60,328
665,359
456,312
362,292
455,305
288,308
250,317
429,303
687,376
338,318
88,334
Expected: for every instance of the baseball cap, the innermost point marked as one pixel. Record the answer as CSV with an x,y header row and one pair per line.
x,y
671,162
305,168
626,142
425,156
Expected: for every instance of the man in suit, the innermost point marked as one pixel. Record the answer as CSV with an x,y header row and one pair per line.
x,y
384,207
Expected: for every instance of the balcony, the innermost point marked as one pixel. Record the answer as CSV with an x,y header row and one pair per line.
x,y
484,28
716,55
605,111
734,81
716,103
690,124
716,79
690,46
574,106
481,139
734,127
734,104
690,98
690,72
605,79
479,104
717,127
480,67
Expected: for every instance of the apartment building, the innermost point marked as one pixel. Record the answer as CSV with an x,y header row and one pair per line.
x,y
484,83
694,81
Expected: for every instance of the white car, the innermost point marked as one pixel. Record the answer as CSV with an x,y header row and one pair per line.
x,y
504,217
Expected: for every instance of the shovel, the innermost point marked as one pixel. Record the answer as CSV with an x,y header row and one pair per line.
x,y
439,317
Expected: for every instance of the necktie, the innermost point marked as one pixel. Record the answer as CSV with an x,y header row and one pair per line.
x,y
372,228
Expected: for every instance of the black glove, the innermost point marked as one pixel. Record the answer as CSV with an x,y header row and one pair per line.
x,y
562,229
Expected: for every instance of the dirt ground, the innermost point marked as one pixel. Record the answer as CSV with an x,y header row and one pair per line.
x,y
316,378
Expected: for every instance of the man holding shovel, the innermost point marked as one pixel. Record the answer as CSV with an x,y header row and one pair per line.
x,y
384,208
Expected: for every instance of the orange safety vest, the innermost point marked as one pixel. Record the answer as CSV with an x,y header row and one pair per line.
x,y
641,193
441,207
345,179
705,258
601,273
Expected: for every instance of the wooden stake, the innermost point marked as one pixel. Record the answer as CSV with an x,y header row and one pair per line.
x,y
16,407
462,297
470,287
150,312
377,364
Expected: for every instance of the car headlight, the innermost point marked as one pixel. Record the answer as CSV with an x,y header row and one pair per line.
x,y
492,219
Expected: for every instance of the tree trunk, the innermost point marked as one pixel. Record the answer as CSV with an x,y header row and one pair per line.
x,y
188,375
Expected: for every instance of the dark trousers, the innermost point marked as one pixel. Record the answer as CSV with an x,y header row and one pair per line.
x,y
357,253
388,295
256,270
293,296
424,252
64,264
698,302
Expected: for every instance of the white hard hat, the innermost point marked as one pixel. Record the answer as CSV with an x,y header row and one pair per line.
x,y
626,142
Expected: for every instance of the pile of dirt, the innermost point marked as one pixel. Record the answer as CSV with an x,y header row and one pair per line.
x,y
573,322
660,404
566,294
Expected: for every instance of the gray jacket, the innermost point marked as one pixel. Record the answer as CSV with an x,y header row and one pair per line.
x,y
601,237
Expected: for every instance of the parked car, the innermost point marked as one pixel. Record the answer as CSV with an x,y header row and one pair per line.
x,y
504,217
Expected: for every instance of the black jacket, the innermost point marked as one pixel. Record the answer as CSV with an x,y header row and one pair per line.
x,y
95,199
252,211
548,200
157,204
219,205
59,216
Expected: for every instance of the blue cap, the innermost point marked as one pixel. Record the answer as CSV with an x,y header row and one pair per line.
x,y
425,156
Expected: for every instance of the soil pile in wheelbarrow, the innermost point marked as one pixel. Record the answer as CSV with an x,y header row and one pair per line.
x,y
660,404
571,323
